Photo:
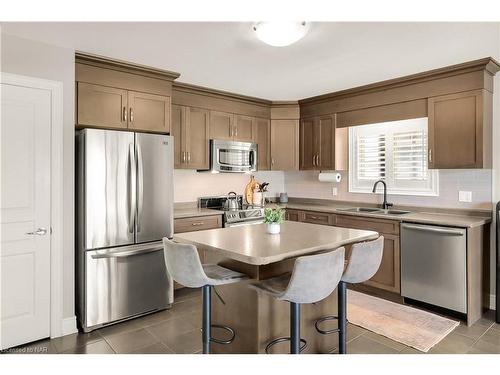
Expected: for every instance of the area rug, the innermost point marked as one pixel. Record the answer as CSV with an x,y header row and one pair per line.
x,y
407,325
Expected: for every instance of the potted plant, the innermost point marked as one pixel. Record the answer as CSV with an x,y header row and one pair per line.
x,y
273,217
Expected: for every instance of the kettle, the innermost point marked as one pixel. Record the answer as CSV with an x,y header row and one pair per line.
x,y
231,201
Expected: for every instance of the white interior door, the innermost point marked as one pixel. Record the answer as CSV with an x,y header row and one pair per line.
x,y
25,208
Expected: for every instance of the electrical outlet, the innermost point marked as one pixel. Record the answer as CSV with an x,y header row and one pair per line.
x,y
334,191
465,196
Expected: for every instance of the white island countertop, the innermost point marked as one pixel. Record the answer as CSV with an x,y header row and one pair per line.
x,y
251,244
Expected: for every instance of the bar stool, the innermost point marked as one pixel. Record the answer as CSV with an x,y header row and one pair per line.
x,y
313,278
363,264
184,266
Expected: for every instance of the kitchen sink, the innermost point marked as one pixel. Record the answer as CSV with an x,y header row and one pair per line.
x,y
370,210
360,209
394,212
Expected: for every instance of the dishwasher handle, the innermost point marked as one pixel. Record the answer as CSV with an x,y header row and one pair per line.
x,y
428,228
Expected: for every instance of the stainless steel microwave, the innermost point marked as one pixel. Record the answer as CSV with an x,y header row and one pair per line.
x,y
232,157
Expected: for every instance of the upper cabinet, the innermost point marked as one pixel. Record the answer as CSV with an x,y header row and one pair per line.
x,y
458,124
263,140
317,143
221,125
190,129
244,128
284,145
113,94
101,106
148,112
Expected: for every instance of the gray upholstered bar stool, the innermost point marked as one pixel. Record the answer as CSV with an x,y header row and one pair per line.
x,y
363,264
184,266
314,277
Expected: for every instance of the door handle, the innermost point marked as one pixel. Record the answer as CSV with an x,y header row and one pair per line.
x,y
140,186
38,232
189,157
132,189
131,114
314,157
124,254
430,155
125,114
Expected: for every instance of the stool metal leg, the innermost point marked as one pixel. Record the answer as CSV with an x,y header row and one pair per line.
x,y
207,318
294,328
342,313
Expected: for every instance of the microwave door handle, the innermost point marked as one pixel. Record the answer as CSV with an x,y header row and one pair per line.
x,y
251,158
131,188
140,186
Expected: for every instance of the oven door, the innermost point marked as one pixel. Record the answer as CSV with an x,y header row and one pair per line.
x,y
242,223
233,157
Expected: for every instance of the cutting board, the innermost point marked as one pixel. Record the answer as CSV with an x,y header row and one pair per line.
x,y
250,188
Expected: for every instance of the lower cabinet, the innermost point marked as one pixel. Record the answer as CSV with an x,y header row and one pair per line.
x,y
192,224
388,276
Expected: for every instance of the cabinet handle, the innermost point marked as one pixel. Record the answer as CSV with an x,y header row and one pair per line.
x,y
314,157
430,155
131,115
189,156
235,131
197,224
317,160
124,114
272,162
183,156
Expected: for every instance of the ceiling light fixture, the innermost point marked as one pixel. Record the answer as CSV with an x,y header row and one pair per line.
x,y
280,33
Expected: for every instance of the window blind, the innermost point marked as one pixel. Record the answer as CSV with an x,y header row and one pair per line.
x,y
371,157
410,155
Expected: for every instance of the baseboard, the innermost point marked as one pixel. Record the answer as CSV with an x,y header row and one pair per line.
x,y
69,326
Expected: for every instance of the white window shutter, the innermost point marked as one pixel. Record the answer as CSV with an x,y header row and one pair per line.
x,y
371,157
410,155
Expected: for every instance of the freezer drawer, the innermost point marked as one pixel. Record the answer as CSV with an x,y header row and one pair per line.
x,y
433,265
123,282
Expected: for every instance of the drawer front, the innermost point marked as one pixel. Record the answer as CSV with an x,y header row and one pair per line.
x,y
378,225
192,224
317,218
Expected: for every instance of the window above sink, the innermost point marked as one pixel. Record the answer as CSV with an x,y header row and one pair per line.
x,y
394,151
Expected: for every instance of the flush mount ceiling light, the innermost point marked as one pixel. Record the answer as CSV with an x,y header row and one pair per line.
x,y
280,33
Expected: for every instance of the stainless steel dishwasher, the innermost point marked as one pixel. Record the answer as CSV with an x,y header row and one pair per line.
x,y
433,265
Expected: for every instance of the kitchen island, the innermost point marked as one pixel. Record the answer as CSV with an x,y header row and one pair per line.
x,y
257,318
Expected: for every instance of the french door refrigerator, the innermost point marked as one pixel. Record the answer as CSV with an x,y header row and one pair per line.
x,y
124,201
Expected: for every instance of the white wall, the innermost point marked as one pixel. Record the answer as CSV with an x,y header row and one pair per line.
x,y
30,58
478,181
190,185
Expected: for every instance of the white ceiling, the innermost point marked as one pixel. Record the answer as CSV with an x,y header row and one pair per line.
x,y
227,56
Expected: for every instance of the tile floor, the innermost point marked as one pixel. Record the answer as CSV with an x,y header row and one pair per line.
x,y
178,331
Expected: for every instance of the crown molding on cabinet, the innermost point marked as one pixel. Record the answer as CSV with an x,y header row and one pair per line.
x,y
124,66
488,64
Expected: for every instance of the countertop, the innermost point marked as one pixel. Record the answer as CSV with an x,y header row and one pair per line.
x,y
435,218
180,213
251,244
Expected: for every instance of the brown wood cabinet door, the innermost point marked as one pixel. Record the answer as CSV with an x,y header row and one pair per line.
x,y
197,138
317,218
292,215
101,106
179,134
455,131
221,125
307,144
326,139
388,275
284,145
149,112
244,128
262,137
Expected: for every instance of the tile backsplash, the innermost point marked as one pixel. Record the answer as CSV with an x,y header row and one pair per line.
x,y
305,184
189,184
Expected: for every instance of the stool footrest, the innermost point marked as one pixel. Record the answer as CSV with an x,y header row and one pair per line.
x,y
324,319
285,339
226,328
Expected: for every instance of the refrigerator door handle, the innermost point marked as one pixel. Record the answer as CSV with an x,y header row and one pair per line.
x,y
131,188
140,186
124,254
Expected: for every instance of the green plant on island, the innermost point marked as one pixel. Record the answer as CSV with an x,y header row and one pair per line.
x,y
274,215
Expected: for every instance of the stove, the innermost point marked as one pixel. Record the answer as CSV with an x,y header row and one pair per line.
x,y
244,215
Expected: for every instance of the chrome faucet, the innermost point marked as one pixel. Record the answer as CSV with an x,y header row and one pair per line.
x,y
385,205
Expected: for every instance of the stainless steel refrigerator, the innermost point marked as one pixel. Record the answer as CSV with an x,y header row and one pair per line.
x,y
124,191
